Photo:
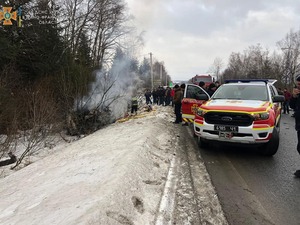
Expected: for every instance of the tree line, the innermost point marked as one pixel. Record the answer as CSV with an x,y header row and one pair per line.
x,y
255,62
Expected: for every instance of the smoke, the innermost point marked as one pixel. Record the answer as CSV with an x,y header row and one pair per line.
x,y
113,89
144,11
127,85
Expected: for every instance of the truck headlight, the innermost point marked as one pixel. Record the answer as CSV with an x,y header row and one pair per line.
x,y
261,116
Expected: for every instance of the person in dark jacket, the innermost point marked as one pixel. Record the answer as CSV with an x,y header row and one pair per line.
x,y
167,96
155,96
177,101
295,105
211,89
148,97
202,84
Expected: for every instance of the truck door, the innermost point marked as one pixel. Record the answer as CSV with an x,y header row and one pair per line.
x,y
193,97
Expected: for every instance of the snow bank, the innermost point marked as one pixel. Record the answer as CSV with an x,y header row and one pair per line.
x,y
115,174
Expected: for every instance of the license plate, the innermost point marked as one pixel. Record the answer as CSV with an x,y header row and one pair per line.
x,y
226,128
225,135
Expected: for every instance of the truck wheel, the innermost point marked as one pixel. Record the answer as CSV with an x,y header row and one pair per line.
x,y
202,143
278,126
270,148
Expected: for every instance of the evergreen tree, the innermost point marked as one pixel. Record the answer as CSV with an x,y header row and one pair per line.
x,y
144,72
134,65
83,55
41,49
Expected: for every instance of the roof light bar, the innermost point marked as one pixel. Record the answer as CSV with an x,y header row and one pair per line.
x,y
272,81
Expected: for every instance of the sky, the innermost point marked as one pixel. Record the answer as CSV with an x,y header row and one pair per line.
x,y
121,174
188,35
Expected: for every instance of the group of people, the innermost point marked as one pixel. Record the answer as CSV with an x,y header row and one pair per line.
x,y
211,88
167,96
161,96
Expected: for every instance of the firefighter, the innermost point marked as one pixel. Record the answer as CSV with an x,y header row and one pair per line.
x,y
134,105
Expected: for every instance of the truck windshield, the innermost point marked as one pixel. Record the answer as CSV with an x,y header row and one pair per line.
x,y
205,79
242,92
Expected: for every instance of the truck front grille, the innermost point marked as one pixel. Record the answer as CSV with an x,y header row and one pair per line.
x,y
228,118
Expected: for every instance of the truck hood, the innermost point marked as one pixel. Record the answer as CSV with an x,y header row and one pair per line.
x,y
236,105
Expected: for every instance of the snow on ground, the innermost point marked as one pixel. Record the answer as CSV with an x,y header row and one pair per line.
x,y
113,176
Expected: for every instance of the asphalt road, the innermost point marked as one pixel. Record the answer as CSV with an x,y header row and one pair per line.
x,y
255,189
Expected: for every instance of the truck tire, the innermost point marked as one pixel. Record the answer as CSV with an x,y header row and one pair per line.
x,y
270,148
195,135
202,143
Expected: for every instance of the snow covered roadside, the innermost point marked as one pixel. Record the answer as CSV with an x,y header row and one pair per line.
x,y
114,176
100,179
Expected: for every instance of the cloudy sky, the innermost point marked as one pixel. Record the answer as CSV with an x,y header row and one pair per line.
x,y
188,35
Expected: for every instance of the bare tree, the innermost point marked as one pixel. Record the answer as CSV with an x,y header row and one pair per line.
x,y
109,18
40,109
102,20
216,67
79,18
235,66
277,69
290,45
254,63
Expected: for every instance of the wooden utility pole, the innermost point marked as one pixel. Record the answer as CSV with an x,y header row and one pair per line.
x,y
161,82
151,71
167,80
